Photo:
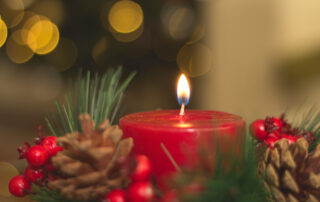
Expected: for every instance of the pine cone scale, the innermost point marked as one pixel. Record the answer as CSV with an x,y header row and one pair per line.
x,y
91,161
297,176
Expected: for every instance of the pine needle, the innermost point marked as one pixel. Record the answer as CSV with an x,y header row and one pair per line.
x,y
310,123
100,96
44,194
234,178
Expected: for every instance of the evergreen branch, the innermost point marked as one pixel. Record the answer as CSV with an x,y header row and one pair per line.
x,y
233,177
99,96
239,183
44,194
96,95
310,123
50,127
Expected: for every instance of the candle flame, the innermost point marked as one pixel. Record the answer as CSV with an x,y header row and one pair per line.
x,y
183,90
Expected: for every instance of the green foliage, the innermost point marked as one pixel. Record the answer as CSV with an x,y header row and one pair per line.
x,y
234,178
310,123
43,194
240,183
97,95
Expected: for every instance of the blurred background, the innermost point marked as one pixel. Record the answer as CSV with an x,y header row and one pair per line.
x,y
251,58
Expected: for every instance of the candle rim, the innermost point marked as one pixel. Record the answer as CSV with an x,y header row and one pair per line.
x,y
207,124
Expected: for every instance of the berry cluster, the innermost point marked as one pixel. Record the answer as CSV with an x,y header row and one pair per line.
x,y
39,167
273,129
140,188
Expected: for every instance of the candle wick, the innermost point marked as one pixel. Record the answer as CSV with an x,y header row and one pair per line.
x,y
182,109
174,163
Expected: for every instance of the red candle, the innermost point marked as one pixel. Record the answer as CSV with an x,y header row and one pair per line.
x,y
170,138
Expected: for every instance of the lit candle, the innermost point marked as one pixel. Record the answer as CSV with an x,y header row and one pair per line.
x,y
170,138
183,93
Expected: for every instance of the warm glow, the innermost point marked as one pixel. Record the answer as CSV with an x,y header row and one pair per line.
x,y
40,35
183,90
194,59
3,32
12,12
51,44
125,16
16,52
128,37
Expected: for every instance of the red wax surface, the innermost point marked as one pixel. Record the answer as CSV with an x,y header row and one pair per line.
x,y
181,135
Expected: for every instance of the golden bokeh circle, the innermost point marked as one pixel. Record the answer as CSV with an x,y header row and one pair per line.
x,y
18,53
181,23
40,34
195,59
7,171
12,12
19,36
3,32
51,44
128,37
197,34
53,9
125,16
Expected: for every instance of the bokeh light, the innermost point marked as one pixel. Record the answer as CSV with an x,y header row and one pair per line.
x,y
64,55
47,48
18,53
125,16
52,9
12,12
178,21
40,35
99,50
194,60
7,171
30,19
3,32
197,34
14,4
128,37
27,3
23,29
181,23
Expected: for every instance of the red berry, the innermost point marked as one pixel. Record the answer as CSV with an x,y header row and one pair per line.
x,y
49,143
291,139
274,134
34,174
142,171
277,123
170,196
23,150
140,192
116,195
271,140
18,186
37,156
258,130
49,167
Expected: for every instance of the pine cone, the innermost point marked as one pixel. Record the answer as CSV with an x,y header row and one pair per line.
x,y
91,162
291,173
